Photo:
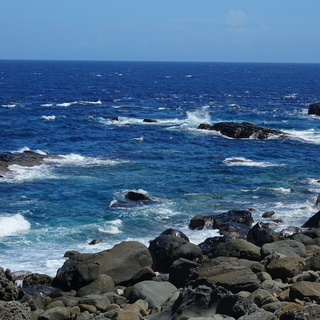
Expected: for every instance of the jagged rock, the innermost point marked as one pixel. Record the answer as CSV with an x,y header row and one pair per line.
x,y
233,305
261,297
14,310
165,249
311,312
8,289
314,109
121,263
260,234
305,289
309,275
198,298
241,130
136,196
238,248
213,221
156,293
37,279
313,222
234,230
210,244
289,248
284,268
227,272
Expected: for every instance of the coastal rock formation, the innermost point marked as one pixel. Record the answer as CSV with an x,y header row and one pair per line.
x,y
8,289
241,130
136,196
121,263
314,109
313,222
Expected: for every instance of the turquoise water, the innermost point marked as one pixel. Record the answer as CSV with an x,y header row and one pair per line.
x,y
65,108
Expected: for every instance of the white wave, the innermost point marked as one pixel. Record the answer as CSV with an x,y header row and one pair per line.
x,y
8,105
309,136
74,159
81,102
291,96
13,225
48,118
46,105
111,227
198,116
241,161
23,149
188,76
138,139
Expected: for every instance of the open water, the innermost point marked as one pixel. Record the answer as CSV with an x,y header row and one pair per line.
x,y
64,108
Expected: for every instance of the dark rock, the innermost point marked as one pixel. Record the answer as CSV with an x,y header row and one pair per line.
x,y
234,230
14,310
241,130
268,214
174,232
317,203
121,263
180,271
213,221
289,232
45,291
228,273
102,284
95,241
70,253
156,293
149,120
313,263
165,249
238,248
233,306
35,301
314,109
312,233
8,289
310,312
289,248
114,118
198,298
313,222
145,273
260,234
136,196
37,279
210,244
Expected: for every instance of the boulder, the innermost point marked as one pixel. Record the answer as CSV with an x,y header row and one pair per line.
x,y
101,302
56,314
310,312
314,109
8,289
268,214
102,284
260,234
37,279
234,230
154,292
238,248
313,222
136,196
165,249
213,221
261,297
180,271
305,289
289,232
173,232
228,273
14,310
121,263
241,130
289,248
233,305
210,244
313,262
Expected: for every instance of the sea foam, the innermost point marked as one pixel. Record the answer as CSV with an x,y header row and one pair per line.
x,y
13,225
241,161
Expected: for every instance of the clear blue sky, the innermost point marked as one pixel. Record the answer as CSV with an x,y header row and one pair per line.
x,y
161,30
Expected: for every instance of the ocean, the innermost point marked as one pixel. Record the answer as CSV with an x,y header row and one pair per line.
x,y
64,109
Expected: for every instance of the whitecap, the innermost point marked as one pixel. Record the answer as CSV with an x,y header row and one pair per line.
x,y
138,139
111,227
308,136
48,118
46,105
25,148
8,105
13,225
241,161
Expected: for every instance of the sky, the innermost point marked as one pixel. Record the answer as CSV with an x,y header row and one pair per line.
x,y
161,30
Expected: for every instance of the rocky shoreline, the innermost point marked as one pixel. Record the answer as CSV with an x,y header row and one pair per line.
x,y
261,274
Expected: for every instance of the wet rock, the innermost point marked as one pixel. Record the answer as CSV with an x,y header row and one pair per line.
x,y
173,232
136,196
260,234
241,130
213,221
313,222
234,230
121,263
165,249
289,232
210,244
37,279
95,241
268,214
150,120
314,109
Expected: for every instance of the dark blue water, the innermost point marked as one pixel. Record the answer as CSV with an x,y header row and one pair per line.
x,y
65,108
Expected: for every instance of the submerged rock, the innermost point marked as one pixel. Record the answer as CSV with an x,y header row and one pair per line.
x,y
314,109
241,130
136,196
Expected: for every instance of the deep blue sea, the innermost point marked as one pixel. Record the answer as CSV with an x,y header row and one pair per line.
x,y
64,108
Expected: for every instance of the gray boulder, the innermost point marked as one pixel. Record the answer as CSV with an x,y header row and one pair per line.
x,y
57,313
305,289
121,263
313,263
156,293
260,234
289,248
102,284
311,312
14,310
